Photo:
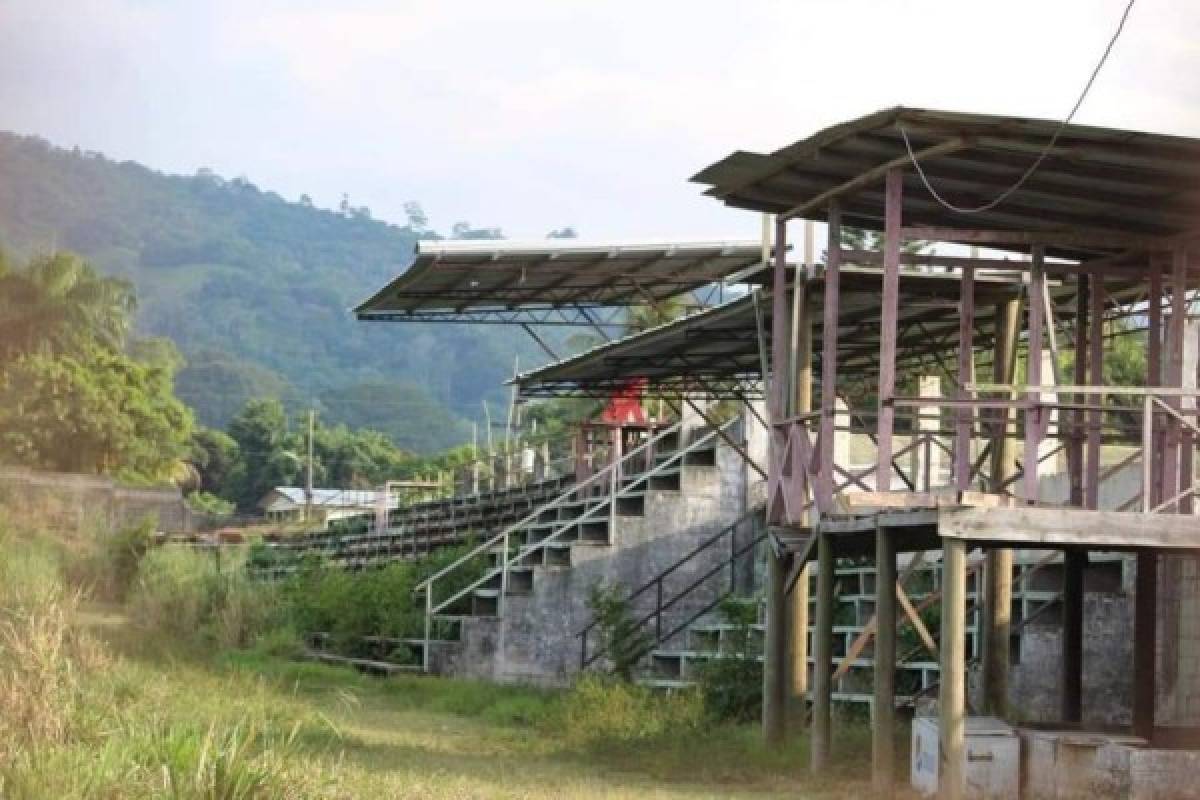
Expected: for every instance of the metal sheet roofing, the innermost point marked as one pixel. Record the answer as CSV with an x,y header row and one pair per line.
x,y
549,282
718,351
1112,188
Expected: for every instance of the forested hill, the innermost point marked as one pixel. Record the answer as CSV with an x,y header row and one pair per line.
x,y
254,290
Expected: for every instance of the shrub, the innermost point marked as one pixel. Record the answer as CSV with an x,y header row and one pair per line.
x,y
732,683
623,643
607,712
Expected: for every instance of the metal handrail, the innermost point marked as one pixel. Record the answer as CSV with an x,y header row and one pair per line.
x,y
574,489
613,496
657,582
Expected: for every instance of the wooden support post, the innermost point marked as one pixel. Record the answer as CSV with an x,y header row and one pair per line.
x,y
1170,483
822,694
997,575
1074,562
829,347
889,313
966,369
798,611
1033,373
1091,476
775,651
775,677
1154,376
952,689
1145,621
1075,462
883,726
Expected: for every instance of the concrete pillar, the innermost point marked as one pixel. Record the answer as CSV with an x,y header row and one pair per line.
x,y
822,657
927,459
883,728
803,404
952,689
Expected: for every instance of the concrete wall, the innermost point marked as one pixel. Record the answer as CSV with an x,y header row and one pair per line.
x,y
75,501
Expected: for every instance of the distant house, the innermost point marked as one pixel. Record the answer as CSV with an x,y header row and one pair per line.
x,y
286,503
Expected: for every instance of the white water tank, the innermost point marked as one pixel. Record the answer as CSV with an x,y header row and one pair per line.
x,y
993,758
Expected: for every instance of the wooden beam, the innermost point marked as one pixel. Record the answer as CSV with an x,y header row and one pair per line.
x,y
1033,372
873,175
1074,562
883,726
1049,238
1060,527
1154,376
1145,623
952,709
966,374
887,326
822,699
1091,477
829,360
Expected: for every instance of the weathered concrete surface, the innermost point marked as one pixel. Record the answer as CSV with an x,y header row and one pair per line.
x,y
535,642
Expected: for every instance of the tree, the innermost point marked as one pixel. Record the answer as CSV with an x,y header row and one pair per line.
x,y
100,412
214,454
268,455
59,304
563,233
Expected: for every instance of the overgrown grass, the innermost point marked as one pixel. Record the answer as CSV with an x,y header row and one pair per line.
x,y
183,693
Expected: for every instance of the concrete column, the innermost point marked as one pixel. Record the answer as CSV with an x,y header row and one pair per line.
x,y
883,728
952,689
928,458
803,404
822,657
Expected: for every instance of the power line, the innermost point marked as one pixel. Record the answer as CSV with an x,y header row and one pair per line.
x,y
1045,151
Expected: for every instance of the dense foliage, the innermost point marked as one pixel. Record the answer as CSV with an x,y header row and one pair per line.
x,y
75,395
254,290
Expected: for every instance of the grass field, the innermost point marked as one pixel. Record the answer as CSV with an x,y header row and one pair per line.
x,y
166,694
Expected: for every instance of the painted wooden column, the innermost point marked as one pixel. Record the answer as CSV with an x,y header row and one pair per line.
x,y
1174,377
952,705
966,353
1074,562
775,646
1091,475
798,607
997,591
1033,373
822,693
883,725
889,314
1075,462
1154,374
829,346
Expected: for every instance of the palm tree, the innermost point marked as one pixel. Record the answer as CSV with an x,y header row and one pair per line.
x,y
57,302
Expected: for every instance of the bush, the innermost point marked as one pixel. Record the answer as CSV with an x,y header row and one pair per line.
x,y
732,683
105,566
623,643
600,711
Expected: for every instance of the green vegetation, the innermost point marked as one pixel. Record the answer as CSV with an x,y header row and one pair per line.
x,y
76,395
732,685
254,290
621,640
181,691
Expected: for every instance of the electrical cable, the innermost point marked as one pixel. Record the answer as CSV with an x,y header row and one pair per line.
x,y
1045,151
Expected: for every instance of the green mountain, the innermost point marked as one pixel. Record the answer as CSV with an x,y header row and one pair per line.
x,y
254,290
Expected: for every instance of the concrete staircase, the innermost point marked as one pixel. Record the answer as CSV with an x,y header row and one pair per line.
x,y
511,609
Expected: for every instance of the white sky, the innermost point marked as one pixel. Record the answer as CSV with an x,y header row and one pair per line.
x,y
533,115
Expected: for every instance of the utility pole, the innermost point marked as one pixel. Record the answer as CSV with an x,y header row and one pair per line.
x,y
308,480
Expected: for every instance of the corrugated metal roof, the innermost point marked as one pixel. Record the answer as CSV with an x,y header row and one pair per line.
x,y
480,281
1103,182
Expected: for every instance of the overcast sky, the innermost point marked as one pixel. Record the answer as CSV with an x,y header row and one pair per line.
x,y
533,115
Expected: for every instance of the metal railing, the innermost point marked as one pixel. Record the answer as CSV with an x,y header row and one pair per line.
x,y
730,561
609,478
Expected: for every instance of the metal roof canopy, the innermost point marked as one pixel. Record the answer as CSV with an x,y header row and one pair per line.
x,y
1099,191
554,282
717,351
